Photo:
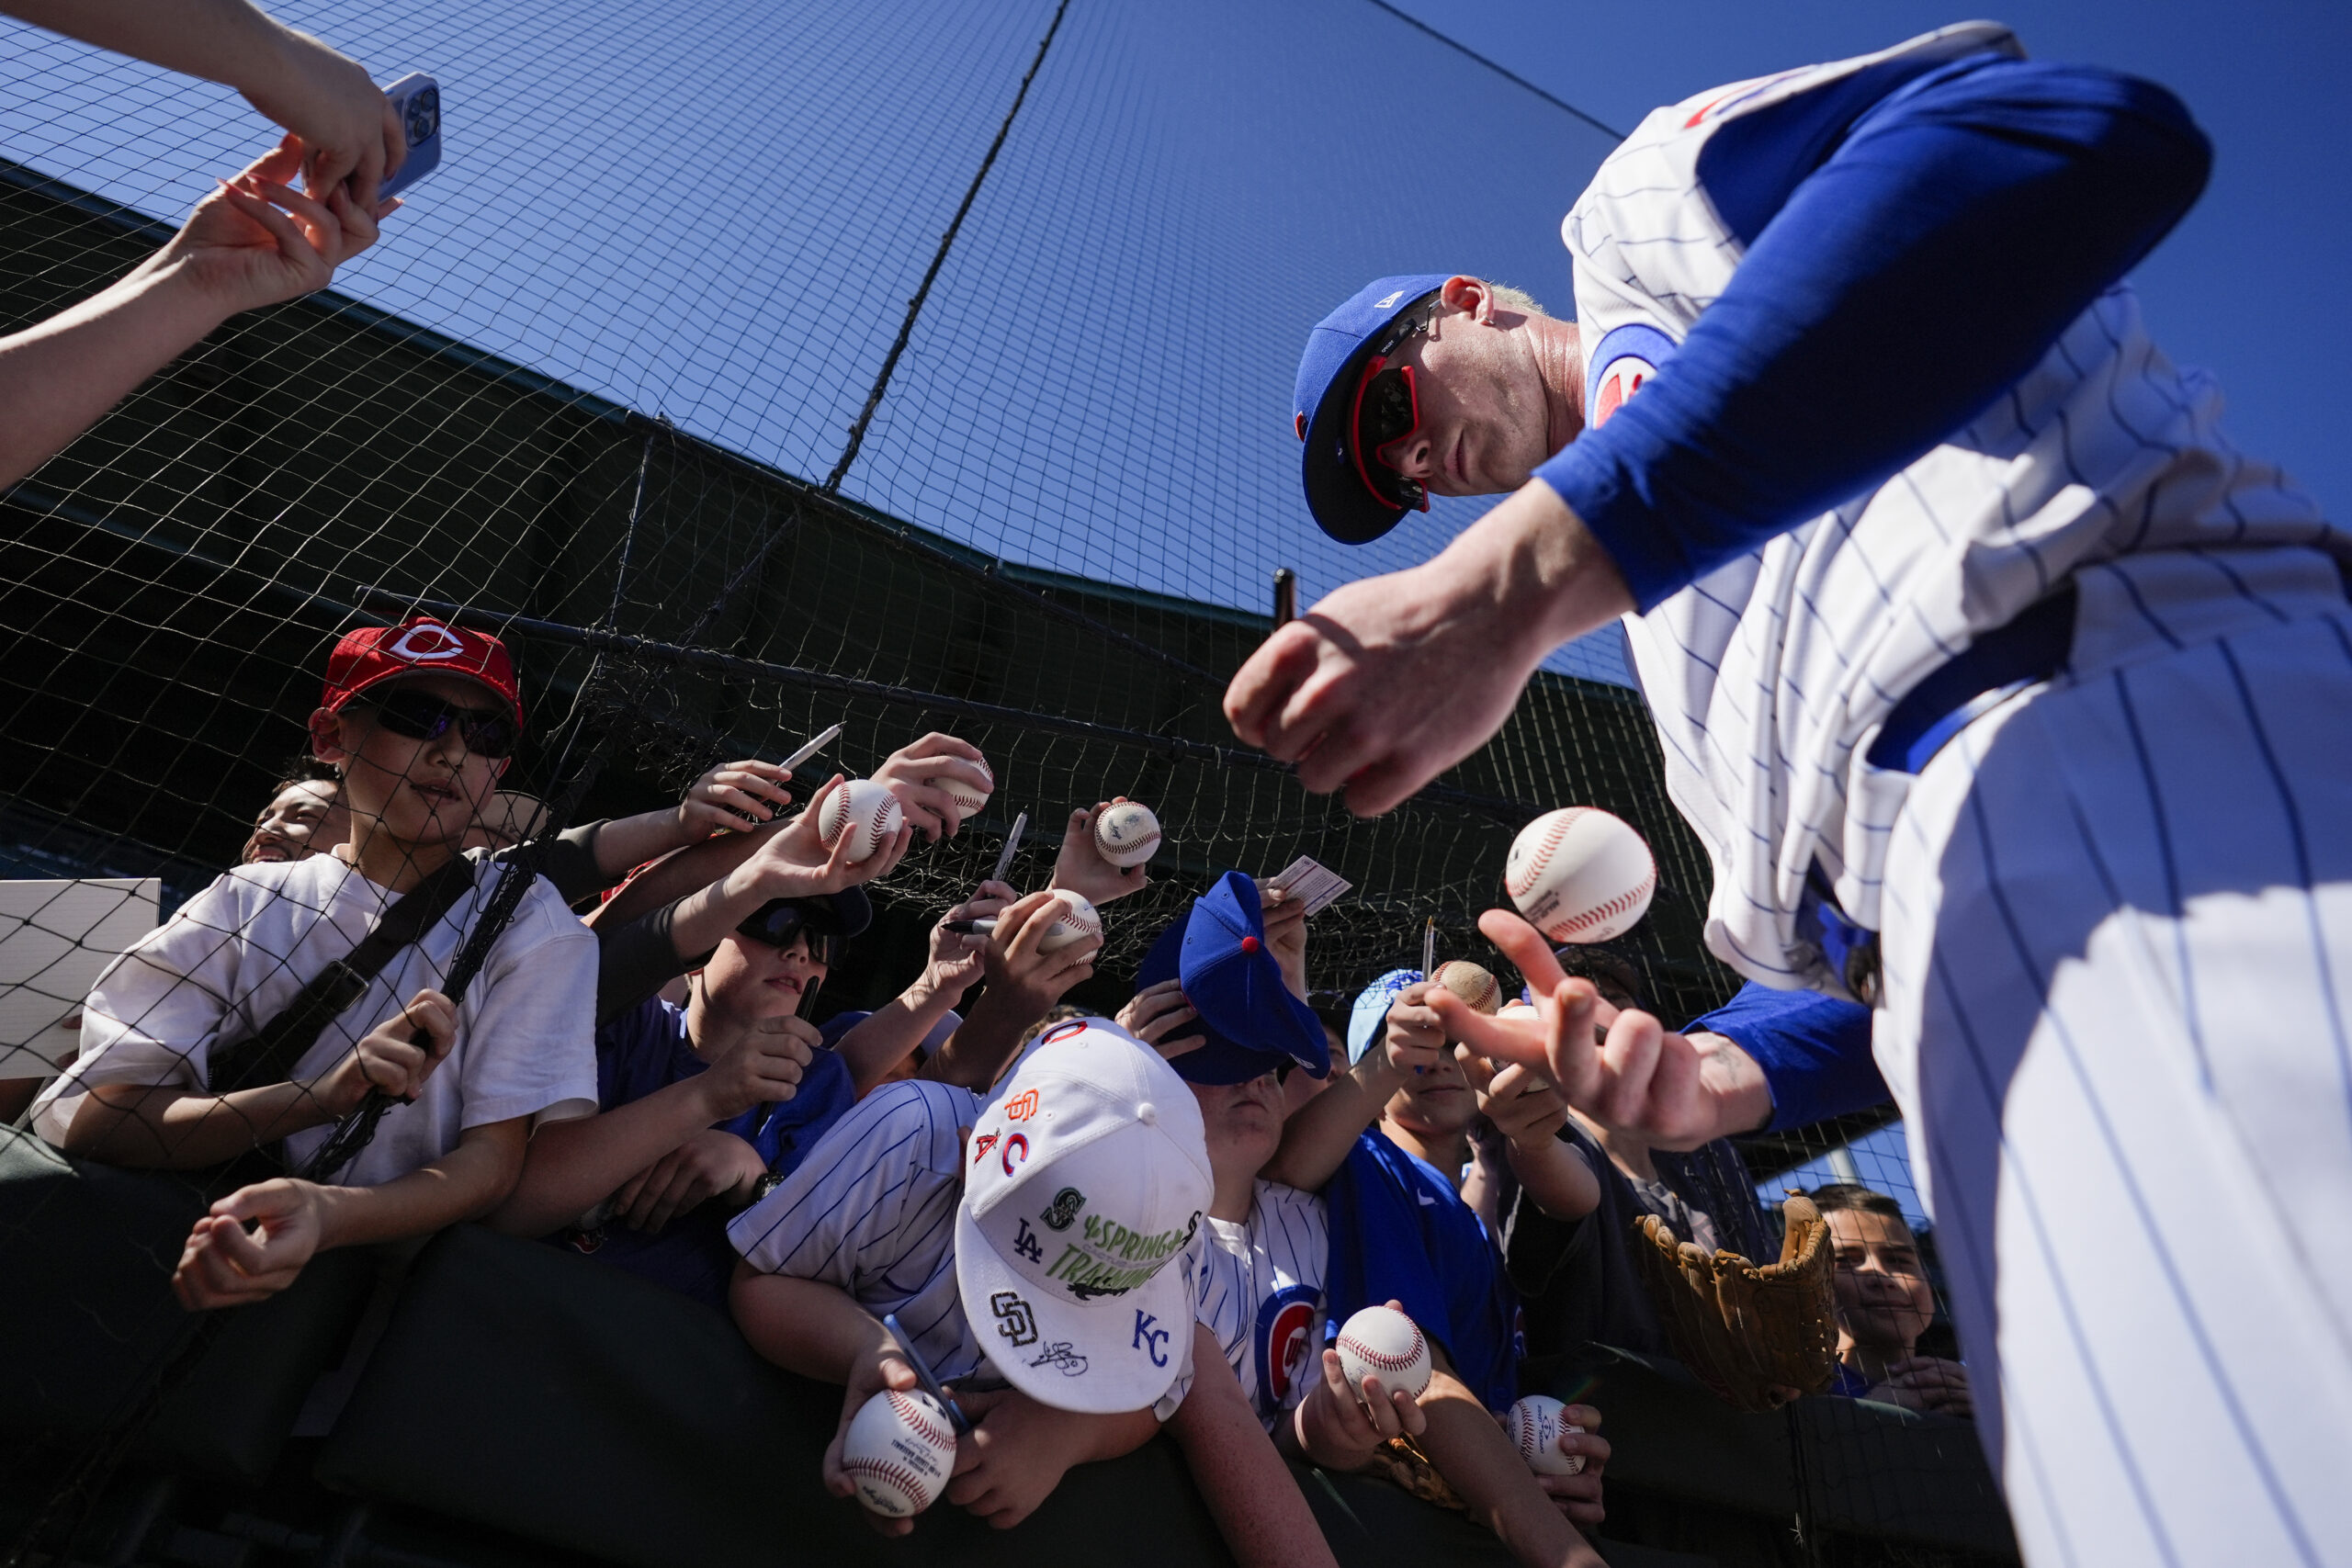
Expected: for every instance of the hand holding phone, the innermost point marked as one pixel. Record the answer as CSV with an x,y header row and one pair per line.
x,y
416,99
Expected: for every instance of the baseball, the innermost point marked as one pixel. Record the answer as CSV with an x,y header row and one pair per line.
x,y
1075,922
1382,1343
1128,834
869,810
1579,874
1471,983
971,799
1535,1426
898,1453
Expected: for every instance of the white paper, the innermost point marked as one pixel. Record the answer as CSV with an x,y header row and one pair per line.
x,y
55,937
1316,883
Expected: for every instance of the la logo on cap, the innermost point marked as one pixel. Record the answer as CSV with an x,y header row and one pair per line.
x,y
426,642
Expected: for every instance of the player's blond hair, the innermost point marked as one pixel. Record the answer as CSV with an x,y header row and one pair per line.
x,y
1508,297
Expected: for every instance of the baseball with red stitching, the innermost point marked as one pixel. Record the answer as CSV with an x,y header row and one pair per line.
x,y
1126,833
867,811
1472,982
1535,1423
1381,1342
898,1453
1076,921
971,799
1580,874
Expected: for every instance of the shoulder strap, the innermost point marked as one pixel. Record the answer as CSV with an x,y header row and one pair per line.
x,y
270,1053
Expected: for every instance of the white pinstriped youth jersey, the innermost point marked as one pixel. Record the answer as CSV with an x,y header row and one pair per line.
x,y
1771,677
872,1210
1260,1288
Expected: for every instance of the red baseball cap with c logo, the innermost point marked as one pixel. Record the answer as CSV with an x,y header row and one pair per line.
x,y
419,646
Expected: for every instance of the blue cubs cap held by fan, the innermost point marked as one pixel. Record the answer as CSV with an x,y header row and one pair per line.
x,y
1345,507
1219,954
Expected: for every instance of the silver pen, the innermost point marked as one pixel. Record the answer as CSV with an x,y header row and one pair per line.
x,y
1012,847
822,740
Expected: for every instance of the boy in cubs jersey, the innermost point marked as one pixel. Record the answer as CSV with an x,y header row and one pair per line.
x,y
1983,665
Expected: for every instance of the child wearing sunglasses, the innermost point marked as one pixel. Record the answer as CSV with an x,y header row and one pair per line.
x,y
421,719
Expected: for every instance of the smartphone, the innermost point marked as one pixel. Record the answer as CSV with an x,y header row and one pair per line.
x,y
417,97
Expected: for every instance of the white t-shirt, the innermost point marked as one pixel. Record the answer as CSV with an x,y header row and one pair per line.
x,y
233,957
1260,1287
872,1210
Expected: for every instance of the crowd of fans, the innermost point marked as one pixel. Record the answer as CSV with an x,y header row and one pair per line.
x,y
1089,1228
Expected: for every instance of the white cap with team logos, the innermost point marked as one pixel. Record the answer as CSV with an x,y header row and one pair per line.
x,y
1088,1174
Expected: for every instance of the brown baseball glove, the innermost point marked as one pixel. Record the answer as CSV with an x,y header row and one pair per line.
x,y
1400,1463
1757,1337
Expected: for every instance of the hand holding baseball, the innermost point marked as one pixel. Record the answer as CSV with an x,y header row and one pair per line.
x,y
940,781
1081,867
798,863
869,1375
1638,1078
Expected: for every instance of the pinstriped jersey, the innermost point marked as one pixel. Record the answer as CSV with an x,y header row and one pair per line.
x,y
1769,677
1261,1290
872,1210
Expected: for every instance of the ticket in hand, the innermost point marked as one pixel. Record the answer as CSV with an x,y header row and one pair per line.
x,y
1314,883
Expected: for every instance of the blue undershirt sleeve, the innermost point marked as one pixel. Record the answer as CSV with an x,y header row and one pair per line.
x,y
1814,1050
1905,266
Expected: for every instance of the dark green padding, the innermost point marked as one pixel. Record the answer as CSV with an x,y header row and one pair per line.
x,y
542,1393
88,1315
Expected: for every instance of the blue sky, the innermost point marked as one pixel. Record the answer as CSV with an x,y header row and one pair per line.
x,y
715,210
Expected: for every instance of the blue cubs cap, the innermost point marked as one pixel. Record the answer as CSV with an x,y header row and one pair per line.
x,y
1372,1010
1218,953
1344,506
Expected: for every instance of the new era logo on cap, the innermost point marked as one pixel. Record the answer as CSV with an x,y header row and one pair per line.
x,y
419,645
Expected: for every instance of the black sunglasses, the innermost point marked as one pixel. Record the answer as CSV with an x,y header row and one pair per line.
x,y
423,716
779,922
1388,409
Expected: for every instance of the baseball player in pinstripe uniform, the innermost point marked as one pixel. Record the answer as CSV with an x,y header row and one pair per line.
x,y
2004,691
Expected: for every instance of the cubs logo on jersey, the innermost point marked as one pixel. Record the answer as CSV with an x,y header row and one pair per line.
x,y
1285,1340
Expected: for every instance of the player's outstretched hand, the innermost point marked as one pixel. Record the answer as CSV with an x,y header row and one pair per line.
x,y
225,1264
1623,1069
907,771
733,797
1387,683
703,1166
1079,865
387,1060
869,1375
1157,1016
1578,1496
255,240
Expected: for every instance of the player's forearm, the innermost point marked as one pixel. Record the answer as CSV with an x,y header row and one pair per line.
x,y
1317,1139
1548,577
1734,1084
59,376
227,41
890,1034
571,1167
463,1184
806,1325
173,1129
